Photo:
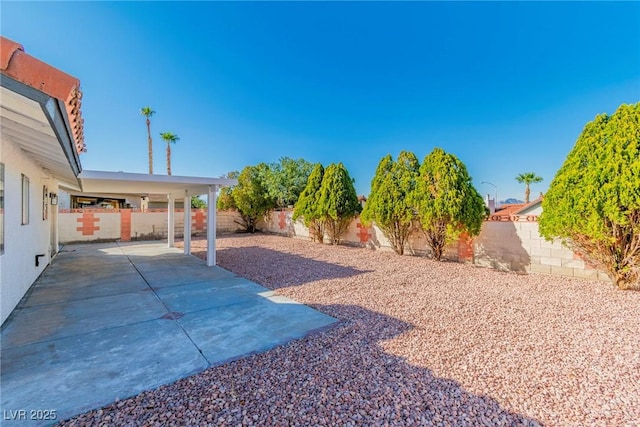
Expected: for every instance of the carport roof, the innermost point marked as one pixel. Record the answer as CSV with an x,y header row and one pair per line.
x,y
97,182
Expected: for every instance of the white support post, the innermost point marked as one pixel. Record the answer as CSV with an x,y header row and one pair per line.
x,y
211,225
171,222
187,223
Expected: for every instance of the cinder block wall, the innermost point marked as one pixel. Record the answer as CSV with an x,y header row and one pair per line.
x,y
85,225
503,245
153,225
518,246
226,221
509,245
281,222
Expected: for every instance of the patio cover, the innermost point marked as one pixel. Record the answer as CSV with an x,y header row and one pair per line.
x,y
99,182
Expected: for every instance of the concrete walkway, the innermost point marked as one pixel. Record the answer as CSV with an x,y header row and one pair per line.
x,y
108,321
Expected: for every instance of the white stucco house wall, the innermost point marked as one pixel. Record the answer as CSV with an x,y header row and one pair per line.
x,y
41,137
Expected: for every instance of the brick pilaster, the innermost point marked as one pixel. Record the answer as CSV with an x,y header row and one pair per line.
x,y
125,225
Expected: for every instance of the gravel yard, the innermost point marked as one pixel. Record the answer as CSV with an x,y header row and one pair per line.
x,y
419,343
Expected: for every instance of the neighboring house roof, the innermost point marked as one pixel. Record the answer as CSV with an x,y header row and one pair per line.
x,y
26,69
507,210
527,208
517,211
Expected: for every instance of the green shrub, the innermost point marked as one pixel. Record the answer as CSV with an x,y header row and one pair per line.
x,y
593,203
390,204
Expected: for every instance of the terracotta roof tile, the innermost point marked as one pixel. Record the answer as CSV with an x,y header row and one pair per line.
x,y
20,66
8,49
508,209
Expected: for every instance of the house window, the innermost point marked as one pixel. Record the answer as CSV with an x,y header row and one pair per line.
x,y
25,200
45,202
1,208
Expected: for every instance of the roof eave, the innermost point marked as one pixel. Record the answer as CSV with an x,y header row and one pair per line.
x,y
55,112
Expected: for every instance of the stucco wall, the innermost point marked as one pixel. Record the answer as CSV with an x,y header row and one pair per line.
x,y
22,242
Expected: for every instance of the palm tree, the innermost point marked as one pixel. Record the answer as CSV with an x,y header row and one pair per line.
x,y
148,112
528,178
169,138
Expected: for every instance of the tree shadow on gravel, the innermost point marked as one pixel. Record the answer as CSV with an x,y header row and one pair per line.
x,y
340,376
281,269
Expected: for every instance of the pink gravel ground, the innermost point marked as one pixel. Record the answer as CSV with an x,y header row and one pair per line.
x,y
419,343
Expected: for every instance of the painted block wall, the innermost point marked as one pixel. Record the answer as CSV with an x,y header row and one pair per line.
x,y
281,222
22,242
154,224
226,221
518,246
85,225
504,245
513,245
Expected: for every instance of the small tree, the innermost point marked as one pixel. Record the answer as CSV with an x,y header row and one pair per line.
x,y
307,205
593,203
286,180
448,203
528,178
390,203
251,198
198,203
337,202
225,198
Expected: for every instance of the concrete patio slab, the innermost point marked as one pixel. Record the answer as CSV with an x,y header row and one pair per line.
x,y
107,321
250,326
177,275
204,295
64,319
78,288
75,374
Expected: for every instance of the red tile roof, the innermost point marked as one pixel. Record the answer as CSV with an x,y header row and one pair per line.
x,y
18,65
511,211
505,211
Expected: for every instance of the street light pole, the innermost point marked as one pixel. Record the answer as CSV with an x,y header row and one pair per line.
x,y
496,188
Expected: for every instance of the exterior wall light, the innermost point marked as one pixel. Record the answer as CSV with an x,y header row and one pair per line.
x,y
54,198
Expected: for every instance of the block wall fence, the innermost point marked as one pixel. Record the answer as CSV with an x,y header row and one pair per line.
x,y
507,244
86,225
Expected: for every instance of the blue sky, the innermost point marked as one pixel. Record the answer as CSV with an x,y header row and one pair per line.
x,y
507,87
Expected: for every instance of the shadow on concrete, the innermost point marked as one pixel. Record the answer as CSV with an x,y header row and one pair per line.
x,y
500,247
342,376
290,269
